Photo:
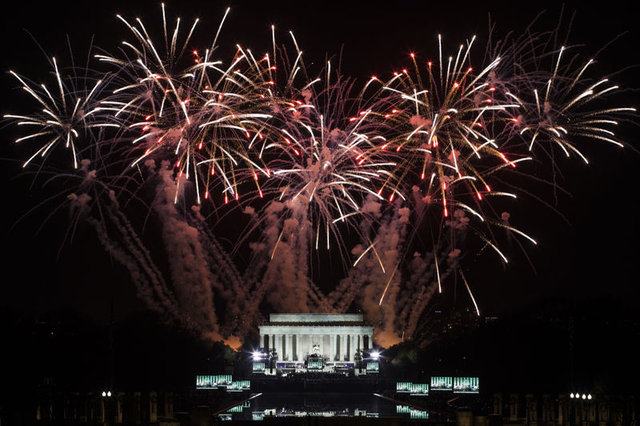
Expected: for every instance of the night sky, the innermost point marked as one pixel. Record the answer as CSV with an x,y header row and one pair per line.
x,y
592,255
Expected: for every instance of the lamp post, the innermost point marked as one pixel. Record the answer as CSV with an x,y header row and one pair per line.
x,y
273,357
259,357
374,356
105,404
580,407
358,358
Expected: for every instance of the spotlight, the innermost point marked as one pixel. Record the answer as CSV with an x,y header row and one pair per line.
x,y
589,396
375,355
109,394
104,393
571,395
584,396
256,355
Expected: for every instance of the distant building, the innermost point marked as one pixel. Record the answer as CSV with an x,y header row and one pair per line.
x,y
315,342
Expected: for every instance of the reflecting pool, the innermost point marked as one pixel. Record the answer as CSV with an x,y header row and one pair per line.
x,y
287,404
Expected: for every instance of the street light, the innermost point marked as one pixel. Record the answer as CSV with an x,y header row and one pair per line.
x,y
577,396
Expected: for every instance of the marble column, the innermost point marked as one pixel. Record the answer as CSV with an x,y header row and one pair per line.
x,y
285,346
326,346
333,347
354,346
349,347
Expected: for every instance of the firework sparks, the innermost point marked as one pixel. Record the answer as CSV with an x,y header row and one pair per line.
x,y
211,120
408,164
66,117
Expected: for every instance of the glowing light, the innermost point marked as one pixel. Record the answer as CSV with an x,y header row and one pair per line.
x,y
315,159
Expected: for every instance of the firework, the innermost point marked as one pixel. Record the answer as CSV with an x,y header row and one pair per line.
x,y
332,160
446,126
184,106
565,107
68,115
394,175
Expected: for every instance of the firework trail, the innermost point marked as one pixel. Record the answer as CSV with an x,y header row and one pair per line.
x,y
69,114
208,119
393,178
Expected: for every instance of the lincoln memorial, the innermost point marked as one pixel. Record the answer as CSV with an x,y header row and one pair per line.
x,y
332,338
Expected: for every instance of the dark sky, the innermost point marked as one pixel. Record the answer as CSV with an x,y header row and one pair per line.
x,y
595,255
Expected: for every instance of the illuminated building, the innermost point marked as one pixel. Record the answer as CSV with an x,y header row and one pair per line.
x,y
314,342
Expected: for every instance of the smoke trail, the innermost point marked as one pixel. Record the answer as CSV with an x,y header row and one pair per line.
x,y
190,275
227,283
132,254
286,276
377,275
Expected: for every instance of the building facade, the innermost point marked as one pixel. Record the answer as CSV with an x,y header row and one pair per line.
x,y
334,339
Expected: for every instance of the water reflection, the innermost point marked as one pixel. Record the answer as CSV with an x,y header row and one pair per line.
x,y
286,404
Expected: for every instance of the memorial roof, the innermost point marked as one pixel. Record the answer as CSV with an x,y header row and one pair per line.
x,y
316,324
316,318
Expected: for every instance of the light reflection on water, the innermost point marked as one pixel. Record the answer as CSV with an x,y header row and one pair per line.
x,y
287,404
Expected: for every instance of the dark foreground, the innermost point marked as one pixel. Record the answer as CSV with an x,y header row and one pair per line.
x,y
205,408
